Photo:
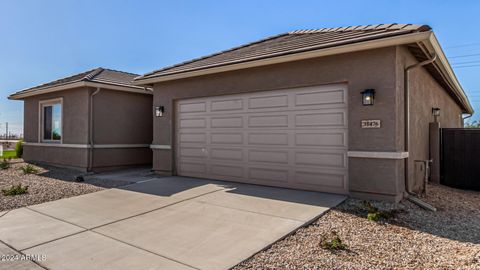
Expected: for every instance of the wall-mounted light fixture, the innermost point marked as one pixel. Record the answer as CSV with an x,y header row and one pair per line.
x,y
435,113
159,111
368,95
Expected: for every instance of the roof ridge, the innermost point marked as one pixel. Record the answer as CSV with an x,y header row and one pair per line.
x,y
92,74
391,26
211,55
119,71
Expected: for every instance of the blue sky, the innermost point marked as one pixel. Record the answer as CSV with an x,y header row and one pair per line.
x,y
45,40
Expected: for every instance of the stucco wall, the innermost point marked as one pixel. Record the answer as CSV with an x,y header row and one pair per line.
x,y
75,112
122,118
425,94
75,124
119,118
361,70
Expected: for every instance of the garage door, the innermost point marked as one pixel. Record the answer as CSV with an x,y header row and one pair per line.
x,y
294,138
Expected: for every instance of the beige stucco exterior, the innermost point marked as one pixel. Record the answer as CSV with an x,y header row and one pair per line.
x,y
381,69
122,125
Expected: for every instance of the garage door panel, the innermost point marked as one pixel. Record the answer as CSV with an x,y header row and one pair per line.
x,y
193,123
193,107
195,152
226,170
227,122
327,97
226,138
321,139
275,175
227,154
268,102
290,138
227,105
320,119
268,121
269,156
192,138
268,139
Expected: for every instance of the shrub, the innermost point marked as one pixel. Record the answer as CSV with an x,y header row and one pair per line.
x,y
333,242
375,215
15,190
29,169
5,164
19,149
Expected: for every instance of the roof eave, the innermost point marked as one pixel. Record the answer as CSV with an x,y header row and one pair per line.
x,y
106,85
445,68
366,45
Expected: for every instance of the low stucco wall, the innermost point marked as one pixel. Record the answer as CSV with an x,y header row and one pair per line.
x,y
107,159
65,157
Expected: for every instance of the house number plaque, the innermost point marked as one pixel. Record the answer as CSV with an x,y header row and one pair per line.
x,y
371,124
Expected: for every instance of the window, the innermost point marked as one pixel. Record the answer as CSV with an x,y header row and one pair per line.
x,y
51,125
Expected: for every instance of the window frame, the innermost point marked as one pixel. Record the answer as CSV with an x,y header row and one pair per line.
x,y
45,103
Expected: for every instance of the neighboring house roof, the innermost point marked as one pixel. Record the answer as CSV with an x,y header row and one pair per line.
x,y
98,77
304,44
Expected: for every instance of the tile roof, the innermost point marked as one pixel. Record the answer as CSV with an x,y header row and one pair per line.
x,y
99,75
290,43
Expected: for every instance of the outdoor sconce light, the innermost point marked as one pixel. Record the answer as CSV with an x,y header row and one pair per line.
x,y
368,96
159,110
435,113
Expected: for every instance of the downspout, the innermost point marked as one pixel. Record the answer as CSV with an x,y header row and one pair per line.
x,y
407,131
90,131
407,115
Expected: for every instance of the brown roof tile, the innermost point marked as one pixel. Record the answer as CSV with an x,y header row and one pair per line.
x,y
101,75
289,43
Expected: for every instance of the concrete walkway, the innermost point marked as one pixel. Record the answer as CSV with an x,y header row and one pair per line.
x,y
160,223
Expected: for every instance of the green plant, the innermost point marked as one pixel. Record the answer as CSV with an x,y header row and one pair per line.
x,y
15,190
4,164
473,124
29,169
374,214
333,242
19,149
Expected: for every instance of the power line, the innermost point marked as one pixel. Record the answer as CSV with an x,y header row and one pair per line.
x,y
467,66
465,55
466,62
463,45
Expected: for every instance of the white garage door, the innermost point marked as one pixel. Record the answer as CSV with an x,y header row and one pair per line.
x,y
293,138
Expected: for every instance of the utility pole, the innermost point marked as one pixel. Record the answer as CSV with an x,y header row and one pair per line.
x,y
6,130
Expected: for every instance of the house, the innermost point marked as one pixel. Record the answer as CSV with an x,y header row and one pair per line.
x,y
92,121
343,110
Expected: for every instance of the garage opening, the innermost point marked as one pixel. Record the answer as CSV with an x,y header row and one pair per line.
x,y
294,138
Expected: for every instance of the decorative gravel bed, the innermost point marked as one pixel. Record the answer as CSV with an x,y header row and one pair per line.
x,y
49,184
413,239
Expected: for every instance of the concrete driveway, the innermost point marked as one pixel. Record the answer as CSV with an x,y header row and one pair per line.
x,y
160,223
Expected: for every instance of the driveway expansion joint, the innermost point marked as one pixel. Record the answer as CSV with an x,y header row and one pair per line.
x,y
253,212
153,210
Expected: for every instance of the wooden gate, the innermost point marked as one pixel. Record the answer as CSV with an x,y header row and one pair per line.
x,y
460,158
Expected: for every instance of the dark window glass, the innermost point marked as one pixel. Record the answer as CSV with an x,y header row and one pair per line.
x,y
52,122
47,122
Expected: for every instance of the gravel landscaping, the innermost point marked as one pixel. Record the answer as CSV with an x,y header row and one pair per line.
x,y
48,184
412,239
